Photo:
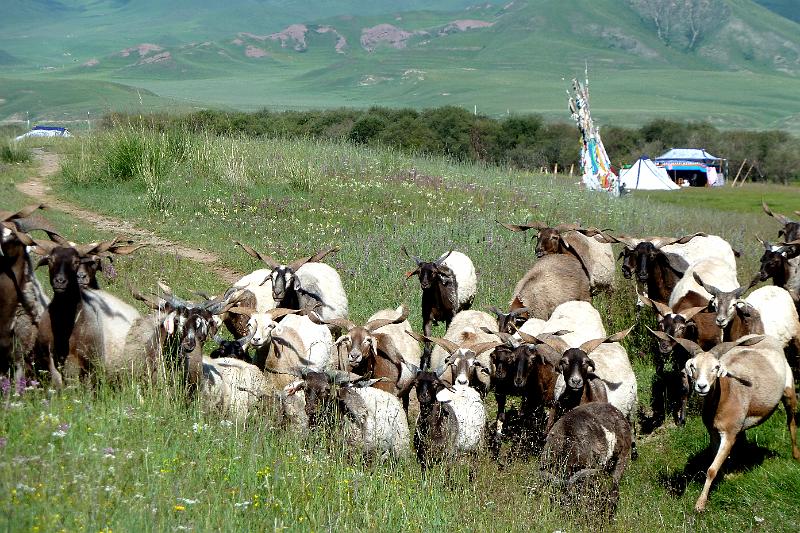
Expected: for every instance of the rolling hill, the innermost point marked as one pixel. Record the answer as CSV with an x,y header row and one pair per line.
x,y
733,62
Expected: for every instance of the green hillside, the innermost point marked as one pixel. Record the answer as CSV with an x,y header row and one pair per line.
x,y
785,8
735,64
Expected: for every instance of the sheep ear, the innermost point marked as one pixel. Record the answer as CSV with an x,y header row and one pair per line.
x,y
658,307
724,347
690,346
169,323
691,312
723,372
485,346
589,346
659,334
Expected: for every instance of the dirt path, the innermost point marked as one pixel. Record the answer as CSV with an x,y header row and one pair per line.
x,y
37,188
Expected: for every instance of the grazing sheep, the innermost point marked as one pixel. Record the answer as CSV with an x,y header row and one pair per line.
x,y
375,354
451,422
81,328
551,281
742,383
448,287
575,321
465,332
22,300
588,245
611,364
255,292
373,420
657,272
782,264
306,284
591,439
689,292
231,387
769,311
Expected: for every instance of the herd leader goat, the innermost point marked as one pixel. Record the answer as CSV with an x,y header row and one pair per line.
x,y
295,352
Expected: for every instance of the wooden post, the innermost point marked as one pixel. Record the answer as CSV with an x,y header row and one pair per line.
x,y
745,176
555,170
571,169
737,174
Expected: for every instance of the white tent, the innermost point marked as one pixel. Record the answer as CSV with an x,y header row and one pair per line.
x,y
645,175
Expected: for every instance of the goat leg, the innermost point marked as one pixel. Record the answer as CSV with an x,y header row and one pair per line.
x,y
726,442
790,404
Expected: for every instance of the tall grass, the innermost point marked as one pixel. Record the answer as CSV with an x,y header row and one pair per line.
x,y
288,198
12,151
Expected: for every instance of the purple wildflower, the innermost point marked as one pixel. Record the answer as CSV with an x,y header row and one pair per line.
x,y
5,385
3,442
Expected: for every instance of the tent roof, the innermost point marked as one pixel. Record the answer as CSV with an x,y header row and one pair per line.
x,y
687,154
645,175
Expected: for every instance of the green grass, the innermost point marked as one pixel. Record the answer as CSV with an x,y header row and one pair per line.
x,y
288,198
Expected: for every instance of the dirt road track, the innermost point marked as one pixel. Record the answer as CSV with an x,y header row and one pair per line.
x,y
37,188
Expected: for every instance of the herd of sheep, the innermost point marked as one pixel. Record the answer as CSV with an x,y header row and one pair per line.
x,y
296,351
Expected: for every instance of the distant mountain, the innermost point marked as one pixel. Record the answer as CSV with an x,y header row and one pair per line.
x,y
785,8
726,59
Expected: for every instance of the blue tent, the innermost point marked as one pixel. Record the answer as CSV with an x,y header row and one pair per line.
x,y
693,165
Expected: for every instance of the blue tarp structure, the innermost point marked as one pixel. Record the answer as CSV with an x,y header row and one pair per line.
x,y
694,166
45,131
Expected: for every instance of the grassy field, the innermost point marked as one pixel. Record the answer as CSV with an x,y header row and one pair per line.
x,y
124,460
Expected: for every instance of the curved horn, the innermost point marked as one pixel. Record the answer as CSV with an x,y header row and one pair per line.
x,y
147,300
244,341
414,257
372,325
269,261
766,245
25,212
627,240
659,334
556,343
523,227
237,310
485,346
448,345
679,240
777,216
280,312
443,258
710,289
340,322
561,228
507,338
690,346
518,311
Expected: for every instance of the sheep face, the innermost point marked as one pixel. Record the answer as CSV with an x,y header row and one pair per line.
x,y
260,327
87,272
465,366
196,329
428,386
503,361
317,389
773,262
63,264
676,326
429,275
575,366
638,260
549,242
525,357
284,279
704,369
359,343
790,231
510,322
725,304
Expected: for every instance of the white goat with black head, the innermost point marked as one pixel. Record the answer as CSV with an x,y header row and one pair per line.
x,y
305,283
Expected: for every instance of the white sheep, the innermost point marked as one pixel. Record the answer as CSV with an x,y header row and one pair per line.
x,y
579,321
703,247
231,387
713,271
466,331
